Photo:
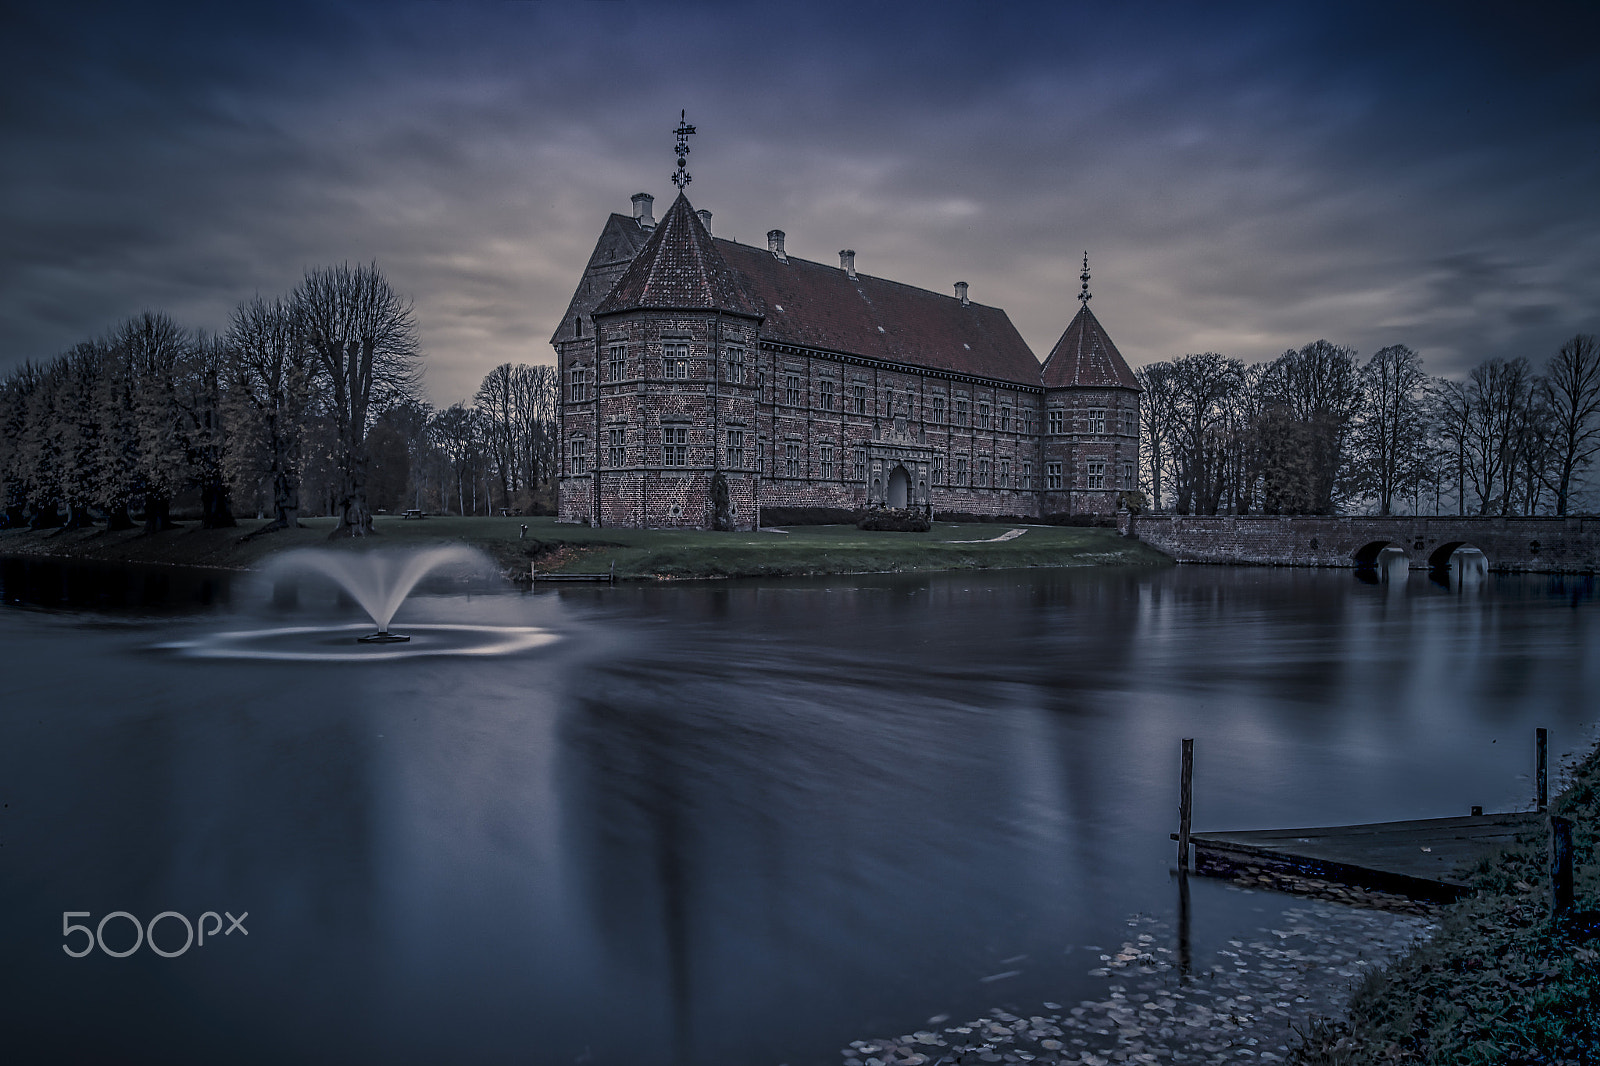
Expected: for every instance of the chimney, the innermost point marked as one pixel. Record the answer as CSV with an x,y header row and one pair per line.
x,y
961,292
705,218
847,261
775,244
644,209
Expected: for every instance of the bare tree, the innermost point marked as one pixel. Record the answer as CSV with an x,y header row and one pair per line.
x,y
1158,414
1390,429
364,337
1206,385
156,348
273,386
1572,398
1309,398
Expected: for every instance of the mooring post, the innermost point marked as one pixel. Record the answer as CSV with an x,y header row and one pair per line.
x,y
1185,954
1560,866
1185,802
1541,771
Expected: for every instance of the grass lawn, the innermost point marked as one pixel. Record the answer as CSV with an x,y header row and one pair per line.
x,y
637,553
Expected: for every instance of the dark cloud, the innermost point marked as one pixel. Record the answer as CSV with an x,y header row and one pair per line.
x,y
1245,177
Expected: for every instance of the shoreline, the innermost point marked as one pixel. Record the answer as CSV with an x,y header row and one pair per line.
x,y
639,555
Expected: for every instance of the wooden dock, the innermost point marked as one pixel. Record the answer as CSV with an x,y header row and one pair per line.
x,y
1427,858
609,578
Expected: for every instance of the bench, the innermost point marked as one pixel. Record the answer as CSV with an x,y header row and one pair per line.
x,y
414,512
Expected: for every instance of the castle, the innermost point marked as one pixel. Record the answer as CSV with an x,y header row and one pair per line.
x,y
683,356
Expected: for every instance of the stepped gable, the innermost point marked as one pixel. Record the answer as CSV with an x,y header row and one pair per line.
x,y
823,307
620,240
679,269
1085,357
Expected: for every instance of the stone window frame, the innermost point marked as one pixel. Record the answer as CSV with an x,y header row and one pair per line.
x,y
982,471
791,459
736,364
984,415
616,360
1003,473
578,455
734,454
1095,420
1005,418
579,385
1130,476
1130,422
616,446
825,393
960,471
1025,477
858,462
793,391
1057,421
1052,477
960,410
858,393
1094,473
937,400
825,459
674,445
675,357
938,469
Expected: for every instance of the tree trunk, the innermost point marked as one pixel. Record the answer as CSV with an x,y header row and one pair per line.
x,y
355,520
117,517
47,517
78,517
158,513
215,512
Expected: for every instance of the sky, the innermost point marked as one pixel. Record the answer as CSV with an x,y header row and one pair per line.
x,y
1245,178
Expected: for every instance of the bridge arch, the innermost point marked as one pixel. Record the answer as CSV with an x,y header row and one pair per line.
x,y
1439,558
1366,556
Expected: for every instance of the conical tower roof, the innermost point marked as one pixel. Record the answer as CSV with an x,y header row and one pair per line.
x,y
679,269
1086,358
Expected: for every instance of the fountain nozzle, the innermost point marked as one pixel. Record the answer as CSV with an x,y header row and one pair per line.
x,y
383,636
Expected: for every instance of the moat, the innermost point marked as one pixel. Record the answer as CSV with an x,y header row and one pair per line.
x,y
715,824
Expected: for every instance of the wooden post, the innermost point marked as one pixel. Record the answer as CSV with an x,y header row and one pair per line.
x,y
1185,802
1560,867
1541,772
1477,811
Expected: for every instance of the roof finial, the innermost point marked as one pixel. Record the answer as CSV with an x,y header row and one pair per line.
x,y
1085,296
680,177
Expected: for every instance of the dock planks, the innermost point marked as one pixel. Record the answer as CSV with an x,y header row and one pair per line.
x,y
1426,858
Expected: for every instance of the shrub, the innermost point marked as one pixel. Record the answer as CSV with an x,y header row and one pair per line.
x,y
896,520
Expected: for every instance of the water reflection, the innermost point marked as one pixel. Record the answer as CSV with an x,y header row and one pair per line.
x,y
729,823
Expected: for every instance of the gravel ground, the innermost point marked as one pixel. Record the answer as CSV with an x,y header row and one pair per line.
x,y
1242,1004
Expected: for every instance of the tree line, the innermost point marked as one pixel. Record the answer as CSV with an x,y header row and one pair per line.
x,y
1317,431
307,403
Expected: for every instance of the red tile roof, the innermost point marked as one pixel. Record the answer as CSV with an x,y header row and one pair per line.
x,y
679,269
1085,357
813,305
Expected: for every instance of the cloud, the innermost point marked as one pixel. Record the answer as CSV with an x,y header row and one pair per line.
x,y
1245,177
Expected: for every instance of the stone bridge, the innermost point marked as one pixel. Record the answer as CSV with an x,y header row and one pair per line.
x,y
1551,545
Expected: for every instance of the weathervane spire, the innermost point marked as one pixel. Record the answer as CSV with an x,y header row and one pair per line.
x,y
1084,295
680,177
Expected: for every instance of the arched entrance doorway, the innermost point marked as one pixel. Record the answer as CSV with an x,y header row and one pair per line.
x,y
899,487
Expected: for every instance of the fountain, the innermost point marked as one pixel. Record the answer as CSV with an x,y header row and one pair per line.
x,y
379,581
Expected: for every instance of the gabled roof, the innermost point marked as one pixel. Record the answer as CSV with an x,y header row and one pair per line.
x,y
620,240
813,305
679,269
1085,357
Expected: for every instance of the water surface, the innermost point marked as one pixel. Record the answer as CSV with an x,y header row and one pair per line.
x,y
716,823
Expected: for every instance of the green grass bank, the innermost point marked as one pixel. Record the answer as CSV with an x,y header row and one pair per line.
x,y
1501,983
639,554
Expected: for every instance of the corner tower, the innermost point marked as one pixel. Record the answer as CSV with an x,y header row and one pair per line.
x,y
671,359
1091,423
